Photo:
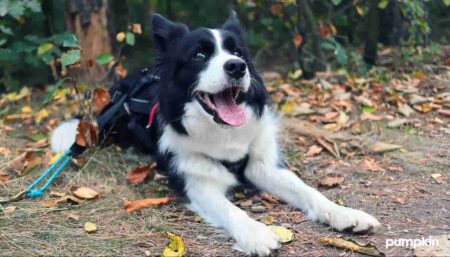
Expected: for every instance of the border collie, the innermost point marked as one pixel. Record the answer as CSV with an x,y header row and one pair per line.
x,y
216,130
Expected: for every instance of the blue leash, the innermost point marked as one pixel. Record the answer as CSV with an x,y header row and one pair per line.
x,y
59,164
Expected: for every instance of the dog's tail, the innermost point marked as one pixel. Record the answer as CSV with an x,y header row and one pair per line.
x,y
64,135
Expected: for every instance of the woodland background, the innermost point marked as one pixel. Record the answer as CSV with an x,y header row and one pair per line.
x,y
363,92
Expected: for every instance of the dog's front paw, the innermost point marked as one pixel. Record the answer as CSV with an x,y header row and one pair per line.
x,y
256,239
343,218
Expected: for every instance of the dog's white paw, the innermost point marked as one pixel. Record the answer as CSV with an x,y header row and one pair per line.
x,y
256,239
343,218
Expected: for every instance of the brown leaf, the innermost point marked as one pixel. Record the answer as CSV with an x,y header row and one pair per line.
x,y
381,147
329,146
131,206
39,144
10,209
313,151
85,193
87,134
270,198
276,9
330,180
139,174
4,151
370,164
444,112
4,177
68,199
438,178
20,162
101,98
297,40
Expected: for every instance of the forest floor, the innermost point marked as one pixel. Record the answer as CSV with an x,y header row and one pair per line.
x,y
407,188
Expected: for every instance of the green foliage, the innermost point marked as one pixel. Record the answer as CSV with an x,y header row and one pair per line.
x,y
104,58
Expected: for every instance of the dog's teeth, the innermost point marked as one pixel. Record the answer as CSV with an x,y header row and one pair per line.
x,y
236,93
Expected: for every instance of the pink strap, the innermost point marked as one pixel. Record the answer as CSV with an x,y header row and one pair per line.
x,y
151,115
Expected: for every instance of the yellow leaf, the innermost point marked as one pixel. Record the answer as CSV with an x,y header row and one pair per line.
x,y
27,109
60,92
120,36
359,10
288,107
41,115
54,158
11,96
349,244
90,227
175,248
284,234
85,193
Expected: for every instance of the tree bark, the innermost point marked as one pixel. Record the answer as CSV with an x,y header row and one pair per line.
x,y
88,20
311,33
373,32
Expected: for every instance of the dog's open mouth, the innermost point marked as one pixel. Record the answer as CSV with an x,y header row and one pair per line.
x,y
223,106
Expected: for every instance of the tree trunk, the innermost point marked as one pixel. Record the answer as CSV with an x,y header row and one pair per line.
x,y
310,33
87,19
373,32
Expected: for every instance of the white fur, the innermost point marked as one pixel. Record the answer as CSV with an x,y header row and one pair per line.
x,y
64,135
213,78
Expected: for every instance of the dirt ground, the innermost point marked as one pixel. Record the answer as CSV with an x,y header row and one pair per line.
x,y
401,193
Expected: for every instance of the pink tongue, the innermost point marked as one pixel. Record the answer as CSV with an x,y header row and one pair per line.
x,y
228,110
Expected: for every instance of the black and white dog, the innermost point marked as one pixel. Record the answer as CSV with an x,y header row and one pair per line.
x,y
217,131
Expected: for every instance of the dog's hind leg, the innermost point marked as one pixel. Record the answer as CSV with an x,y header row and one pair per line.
x,y
206,183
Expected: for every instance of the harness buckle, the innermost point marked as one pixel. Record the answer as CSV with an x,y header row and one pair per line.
x,y
127,108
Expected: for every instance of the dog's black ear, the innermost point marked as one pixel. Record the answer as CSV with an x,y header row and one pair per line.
x,y
233,24
165,32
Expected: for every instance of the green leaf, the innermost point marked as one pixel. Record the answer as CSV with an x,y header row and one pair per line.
x,y
328,46
336,2
70,57
71,41
383,4
104,58
44,48
368,109
446,2
130,39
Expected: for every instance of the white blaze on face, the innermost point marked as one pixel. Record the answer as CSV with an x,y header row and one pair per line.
x,y
214,79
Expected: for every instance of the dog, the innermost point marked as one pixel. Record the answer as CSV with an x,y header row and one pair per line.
x,y
216,130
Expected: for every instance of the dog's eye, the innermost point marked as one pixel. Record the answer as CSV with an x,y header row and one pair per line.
x,y
199,56
237,53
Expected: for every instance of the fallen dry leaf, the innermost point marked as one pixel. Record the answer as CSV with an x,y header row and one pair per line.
x,y
4,151
370,164
175,248
444,112
330,180
381,147
10,209
68,199
131,206
313,151
85,193
90,227
49,203
100,99
39,144
329,146
139,174
87,134
351,245
438,178
4,177
284,235
41,115
268,219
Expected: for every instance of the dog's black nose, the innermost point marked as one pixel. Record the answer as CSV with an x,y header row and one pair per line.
x,y
235,68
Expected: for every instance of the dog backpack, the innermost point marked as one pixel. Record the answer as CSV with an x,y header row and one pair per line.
x,y
127,120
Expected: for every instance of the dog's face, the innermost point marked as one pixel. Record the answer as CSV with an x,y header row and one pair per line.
x,y
208,67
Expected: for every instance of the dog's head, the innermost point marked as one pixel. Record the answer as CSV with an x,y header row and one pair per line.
x,y
210,68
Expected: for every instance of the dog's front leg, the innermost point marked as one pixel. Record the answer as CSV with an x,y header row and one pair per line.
x,y
206,185
265,172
